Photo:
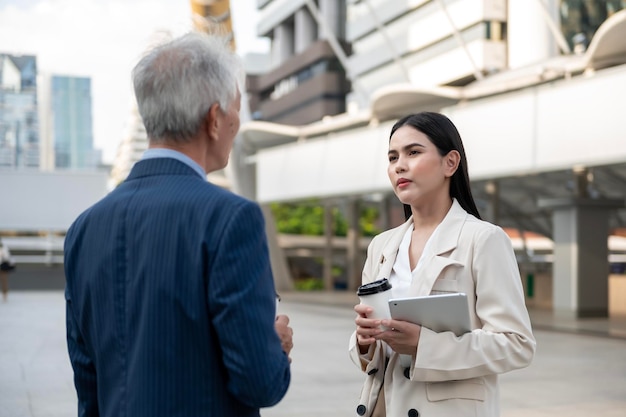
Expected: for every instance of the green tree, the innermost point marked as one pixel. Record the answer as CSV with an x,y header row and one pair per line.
x,y
307,218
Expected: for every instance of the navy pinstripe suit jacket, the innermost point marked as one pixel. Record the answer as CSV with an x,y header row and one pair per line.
x,y
170,301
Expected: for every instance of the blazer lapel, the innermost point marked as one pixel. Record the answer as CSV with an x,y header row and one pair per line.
x,y
390,250
444,241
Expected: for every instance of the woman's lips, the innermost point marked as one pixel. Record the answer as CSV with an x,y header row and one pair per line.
x,y
402,182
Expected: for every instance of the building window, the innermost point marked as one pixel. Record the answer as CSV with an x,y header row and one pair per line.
x,y
581,18
495,30
289,84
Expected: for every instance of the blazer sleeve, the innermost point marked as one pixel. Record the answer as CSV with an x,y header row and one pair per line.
x,y
504,342
242,302
85,379
363,361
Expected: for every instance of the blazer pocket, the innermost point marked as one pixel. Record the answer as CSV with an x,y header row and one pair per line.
x,y
445,286
470,389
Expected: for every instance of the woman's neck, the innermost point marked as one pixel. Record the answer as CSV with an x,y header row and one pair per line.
x,y
429,216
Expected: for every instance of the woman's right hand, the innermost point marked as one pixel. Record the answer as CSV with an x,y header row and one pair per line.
x,y
366,329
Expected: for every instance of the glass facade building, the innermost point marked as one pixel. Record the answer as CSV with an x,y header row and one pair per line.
x,y
581,18
72,123
19,125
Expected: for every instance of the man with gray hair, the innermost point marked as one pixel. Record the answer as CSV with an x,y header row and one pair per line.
x,y
170,294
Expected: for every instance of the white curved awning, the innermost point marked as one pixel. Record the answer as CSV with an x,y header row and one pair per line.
x,y
397,100
608,46
260,135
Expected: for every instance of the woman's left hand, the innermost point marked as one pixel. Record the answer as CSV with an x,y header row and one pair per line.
x,y
401,336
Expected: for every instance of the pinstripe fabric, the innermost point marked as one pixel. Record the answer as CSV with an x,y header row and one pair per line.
x,y
170,301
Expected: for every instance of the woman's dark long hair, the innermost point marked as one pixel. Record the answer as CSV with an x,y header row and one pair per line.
x,y
445,136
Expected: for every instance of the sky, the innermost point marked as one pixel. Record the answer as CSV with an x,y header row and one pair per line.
x,y
103,39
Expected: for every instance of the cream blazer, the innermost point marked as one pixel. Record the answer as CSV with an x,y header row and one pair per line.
x,y
452,376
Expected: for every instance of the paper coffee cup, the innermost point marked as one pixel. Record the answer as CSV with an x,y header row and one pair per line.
x,y
376,295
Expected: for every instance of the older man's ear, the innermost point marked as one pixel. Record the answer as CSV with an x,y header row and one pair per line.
x,y
212,121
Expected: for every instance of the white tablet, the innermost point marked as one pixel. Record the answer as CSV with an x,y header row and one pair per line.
x,y
441,312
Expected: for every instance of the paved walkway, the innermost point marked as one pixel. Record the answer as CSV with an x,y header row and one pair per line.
x,y
574,373
541,319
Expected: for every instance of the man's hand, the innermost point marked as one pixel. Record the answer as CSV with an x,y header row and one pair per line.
x,y
285,333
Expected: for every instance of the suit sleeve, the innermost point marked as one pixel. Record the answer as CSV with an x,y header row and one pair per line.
x,y
85,379
504,342
243,308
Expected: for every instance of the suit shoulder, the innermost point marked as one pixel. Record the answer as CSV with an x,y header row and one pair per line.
x,y
482,229
387,234
224,207
213,191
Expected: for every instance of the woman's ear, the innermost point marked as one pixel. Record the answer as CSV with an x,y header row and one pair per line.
x,y
451,162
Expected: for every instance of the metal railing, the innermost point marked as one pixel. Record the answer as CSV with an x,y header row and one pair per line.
x,y
43,250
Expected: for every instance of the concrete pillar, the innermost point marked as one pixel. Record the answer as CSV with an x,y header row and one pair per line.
x,y
282,43
333,12
329,232
305,30
278,260
493,209
580,266
354,260
529,36
385,212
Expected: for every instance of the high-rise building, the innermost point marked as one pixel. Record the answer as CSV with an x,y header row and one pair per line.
x,y
19,126
424,43
133,144
307,79
71,119
213,16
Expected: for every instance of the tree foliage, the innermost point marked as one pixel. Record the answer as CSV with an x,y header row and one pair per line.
x,y
307,218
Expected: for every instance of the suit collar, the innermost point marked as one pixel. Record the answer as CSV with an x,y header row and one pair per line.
x,y
172,153
160,166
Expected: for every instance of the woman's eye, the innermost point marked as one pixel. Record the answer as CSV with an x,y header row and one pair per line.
x,y
392,158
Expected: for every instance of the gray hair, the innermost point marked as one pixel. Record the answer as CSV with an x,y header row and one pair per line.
x,y
177,82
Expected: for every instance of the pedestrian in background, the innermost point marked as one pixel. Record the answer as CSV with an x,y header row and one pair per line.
x,y
170,295
443,247
7,264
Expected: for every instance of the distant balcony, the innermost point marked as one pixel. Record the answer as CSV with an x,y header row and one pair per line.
x,y
303,90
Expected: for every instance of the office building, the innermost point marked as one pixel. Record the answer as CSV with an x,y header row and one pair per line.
x,y
19,126
133,144
213,16
306,80
424,43
71,123
536,89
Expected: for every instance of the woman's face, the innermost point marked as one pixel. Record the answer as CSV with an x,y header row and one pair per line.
x,y
418,173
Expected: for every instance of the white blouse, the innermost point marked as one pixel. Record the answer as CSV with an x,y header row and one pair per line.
x,y
401,274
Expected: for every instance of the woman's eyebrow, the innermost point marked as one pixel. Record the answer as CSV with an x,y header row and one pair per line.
x,y
407,147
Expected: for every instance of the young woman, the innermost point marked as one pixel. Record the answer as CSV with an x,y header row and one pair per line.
x,y
443,247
